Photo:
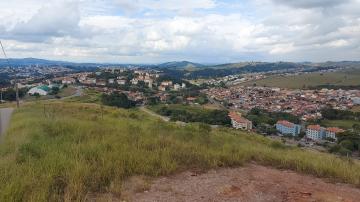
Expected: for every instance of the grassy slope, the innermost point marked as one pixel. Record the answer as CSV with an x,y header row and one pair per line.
x,y
70,151
345,124
351,77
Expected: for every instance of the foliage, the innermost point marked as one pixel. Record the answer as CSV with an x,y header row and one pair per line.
x,y
10,94
186,113
55,90
260,116
117,100
335,114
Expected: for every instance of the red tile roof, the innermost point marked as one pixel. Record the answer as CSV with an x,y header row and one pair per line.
x,y
335,130
285,123
314,127
238,118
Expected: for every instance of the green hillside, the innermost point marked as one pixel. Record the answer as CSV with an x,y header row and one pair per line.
x,y
344,78
57,151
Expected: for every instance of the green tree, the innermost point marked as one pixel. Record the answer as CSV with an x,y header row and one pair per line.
x,y
118,100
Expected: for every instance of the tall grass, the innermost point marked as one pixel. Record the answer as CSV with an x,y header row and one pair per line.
x,y
64,151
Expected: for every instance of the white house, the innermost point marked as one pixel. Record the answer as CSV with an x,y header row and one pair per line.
x,y
177,86
121,82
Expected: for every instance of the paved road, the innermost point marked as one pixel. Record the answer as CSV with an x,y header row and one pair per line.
x,y
5,115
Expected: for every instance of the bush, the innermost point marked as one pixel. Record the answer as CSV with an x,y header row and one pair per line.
x,y
117,100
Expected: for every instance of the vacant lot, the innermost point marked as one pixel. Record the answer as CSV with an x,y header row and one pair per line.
x,y
345,78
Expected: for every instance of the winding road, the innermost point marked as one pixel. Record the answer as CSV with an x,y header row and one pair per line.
x,y
5,116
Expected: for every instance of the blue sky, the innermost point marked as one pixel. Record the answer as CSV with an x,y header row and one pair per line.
x,y
207,31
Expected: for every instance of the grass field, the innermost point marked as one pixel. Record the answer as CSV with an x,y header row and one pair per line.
x,y
56,151
349,77
345,124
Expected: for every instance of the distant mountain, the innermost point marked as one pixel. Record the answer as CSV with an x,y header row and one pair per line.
x,y
186,65
31,61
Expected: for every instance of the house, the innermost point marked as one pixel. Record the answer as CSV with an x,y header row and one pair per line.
x,y
288,128
101,83
134,81
68,80
315,132
111,81
40,90
162,88
89,81
167,83
191,99
177,86
356,100
239,122
121,82
332,132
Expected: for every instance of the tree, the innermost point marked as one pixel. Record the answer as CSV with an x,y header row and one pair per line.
x,y
55,90
153,100
117,100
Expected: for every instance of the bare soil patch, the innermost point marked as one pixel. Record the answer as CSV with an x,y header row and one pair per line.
x,y
249,183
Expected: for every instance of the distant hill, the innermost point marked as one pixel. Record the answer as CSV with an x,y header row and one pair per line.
x,y
31,61
186,65
191,69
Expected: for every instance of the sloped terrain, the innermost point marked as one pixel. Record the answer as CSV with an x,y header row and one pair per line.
x,y
251,183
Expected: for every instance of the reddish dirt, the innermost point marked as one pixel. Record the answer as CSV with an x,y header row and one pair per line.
x,y
249,183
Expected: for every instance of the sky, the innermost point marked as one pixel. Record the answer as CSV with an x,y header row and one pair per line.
x,y
206,31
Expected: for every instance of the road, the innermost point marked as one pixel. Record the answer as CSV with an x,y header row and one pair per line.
x,y
5,116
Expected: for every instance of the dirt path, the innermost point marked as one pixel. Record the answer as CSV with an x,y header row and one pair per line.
x,y
5,115
249,183
144,109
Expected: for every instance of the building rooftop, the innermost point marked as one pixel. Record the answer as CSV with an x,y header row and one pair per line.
x,y
238,118
314,127
286,123
335,130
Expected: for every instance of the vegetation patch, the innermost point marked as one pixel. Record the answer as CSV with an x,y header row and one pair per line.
x,y
187,113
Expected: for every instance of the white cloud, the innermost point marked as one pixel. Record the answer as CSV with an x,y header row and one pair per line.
x,y
160,30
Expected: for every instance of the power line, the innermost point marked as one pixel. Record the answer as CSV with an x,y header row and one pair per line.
x,y
16,80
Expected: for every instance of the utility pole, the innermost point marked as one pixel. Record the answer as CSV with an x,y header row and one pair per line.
x,y
16,80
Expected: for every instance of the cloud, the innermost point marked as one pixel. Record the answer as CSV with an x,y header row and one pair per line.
x,y
141,31
168,5
311,3
51,20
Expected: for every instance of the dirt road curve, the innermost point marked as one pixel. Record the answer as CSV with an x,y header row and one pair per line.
x,y
5,115
250,183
